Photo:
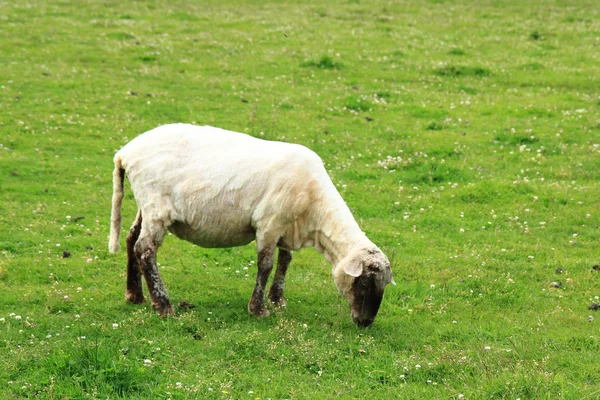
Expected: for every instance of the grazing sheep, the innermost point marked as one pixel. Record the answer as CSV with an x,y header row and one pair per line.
x,y
218,188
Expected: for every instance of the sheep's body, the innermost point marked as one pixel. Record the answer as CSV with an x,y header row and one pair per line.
x,y
215,188
218,188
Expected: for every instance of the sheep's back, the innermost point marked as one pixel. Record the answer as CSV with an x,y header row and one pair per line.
x,y
214,180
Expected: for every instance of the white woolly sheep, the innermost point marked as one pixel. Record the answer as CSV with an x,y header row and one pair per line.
x,y
218,188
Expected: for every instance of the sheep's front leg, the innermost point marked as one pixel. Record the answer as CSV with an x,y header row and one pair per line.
x,y
276,291
134,273
265,264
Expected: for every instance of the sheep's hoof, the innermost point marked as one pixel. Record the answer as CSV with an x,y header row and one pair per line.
x,y
169,311
258,311
280,303
164,310
135,298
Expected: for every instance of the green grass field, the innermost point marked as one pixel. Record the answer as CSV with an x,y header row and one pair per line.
x,y
464,135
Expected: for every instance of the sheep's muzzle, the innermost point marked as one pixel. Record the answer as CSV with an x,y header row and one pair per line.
x,y
367,297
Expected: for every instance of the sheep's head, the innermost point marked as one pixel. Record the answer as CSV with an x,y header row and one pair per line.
x,y
362,277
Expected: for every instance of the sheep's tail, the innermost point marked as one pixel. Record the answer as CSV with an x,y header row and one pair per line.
x,y
117,198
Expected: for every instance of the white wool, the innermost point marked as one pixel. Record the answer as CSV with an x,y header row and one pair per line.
x,y
218,188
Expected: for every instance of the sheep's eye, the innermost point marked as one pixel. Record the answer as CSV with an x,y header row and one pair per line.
x,y
363,282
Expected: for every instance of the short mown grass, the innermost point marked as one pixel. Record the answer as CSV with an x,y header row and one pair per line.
x,y
463,135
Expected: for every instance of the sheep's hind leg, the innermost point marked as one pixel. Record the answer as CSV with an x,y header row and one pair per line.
x,y
145,249
134,273
256,306
276,291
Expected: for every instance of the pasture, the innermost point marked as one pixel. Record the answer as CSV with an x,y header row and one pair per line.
x,y
464,136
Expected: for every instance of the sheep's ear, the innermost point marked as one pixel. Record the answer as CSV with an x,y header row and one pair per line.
x,y
353,268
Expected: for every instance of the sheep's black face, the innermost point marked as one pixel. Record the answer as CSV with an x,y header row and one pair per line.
x,y
362,277
367,296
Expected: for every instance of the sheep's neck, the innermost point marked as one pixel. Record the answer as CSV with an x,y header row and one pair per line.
x,y
336,232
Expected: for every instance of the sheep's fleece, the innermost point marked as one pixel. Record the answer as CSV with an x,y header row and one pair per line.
x,y
218,188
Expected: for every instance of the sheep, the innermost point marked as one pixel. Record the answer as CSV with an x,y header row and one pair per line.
x,y
218,188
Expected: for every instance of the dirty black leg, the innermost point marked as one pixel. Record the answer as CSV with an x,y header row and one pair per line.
x,y
276,291
134,274
145,250
265,264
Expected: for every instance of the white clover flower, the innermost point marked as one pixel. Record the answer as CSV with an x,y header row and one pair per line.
x,y
147,362
115,326
17,317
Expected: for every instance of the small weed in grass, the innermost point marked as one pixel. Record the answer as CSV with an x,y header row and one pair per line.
x,y
386,96
534,66
457,52
434,126
325,62
515,138
357,103
147,59
121,35
459,71
536,35
468,90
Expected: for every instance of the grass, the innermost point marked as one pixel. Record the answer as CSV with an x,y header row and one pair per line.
x,y
325,62
464,138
